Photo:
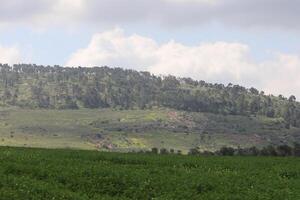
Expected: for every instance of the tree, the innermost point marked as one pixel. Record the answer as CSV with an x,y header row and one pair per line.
x,y
296,149
70,104
292,98
154,150
269,151
284,150
226,151
254,91
270,112
92,98
242,104
193,151
289,114
163,151
253,151
254,105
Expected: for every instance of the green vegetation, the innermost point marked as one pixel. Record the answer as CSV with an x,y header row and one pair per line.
x,y
32,86
280,150
134,130
124,110
80,175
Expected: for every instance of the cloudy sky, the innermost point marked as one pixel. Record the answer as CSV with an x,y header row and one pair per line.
x,y
248,42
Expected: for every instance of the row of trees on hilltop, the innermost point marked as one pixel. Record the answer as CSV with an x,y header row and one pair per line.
x,y
34,86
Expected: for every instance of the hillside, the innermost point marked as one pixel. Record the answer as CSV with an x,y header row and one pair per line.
x,y
121,110
125,130
32,86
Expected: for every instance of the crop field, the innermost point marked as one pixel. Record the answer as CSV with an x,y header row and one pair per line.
x,y
81,175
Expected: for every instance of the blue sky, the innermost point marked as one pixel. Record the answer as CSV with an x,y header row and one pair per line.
x,y
250,42
55,45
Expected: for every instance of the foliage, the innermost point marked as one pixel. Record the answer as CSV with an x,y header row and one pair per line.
x,y
270,150
33,86
83,175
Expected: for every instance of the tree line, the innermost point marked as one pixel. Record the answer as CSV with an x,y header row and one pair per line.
x,y
56,87
270,150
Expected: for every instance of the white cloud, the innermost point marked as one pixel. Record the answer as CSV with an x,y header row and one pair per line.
x,y
213,62
264,14
281,75
10,55
219,61
114,49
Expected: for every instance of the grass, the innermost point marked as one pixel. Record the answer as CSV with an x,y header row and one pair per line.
x,y
126,130
82,175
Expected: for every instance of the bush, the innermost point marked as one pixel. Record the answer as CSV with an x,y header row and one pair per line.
x,y
154,150
163,151
193,151
296,150
226,151
268,151
284,150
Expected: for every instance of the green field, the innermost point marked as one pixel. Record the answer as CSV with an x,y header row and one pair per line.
x,y
127,130
76,174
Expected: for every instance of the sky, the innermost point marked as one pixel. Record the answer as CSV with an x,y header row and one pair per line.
x,y
254,43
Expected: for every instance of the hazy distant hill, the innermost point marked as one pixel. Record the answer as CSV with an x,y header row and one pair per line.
x,y
187,113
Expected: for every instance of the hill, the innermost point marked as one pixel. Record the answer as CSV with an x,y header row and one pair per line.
x,y
126,130
117,109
